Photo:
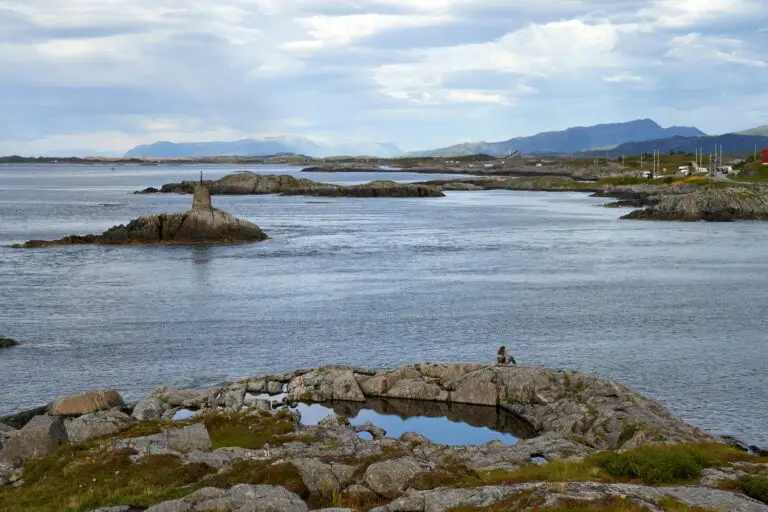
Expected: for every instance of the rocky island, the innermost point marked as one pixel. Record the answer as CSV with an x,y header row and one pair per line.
x,y
203,224
248,183
591,444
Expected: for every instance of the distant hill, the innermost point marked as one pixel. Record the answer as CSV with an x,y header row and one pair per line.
x,y
572,140
731,142
263,147
761,131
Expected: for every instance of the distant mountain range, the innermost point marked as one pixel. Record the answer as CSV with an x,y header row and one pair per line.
x,y
264,147
761,131
731,143
572,140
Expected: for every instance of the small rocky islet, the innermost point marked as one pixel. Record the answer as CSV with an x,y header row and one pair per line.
x,y
203,224
8,342
603,447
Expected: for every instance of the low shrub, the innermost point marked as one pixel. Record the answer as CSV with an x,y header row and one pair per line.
x,y
755,487
655,465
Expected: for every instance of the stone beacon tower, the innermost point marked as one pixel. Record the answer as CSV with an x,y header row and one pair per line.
x,y
201,200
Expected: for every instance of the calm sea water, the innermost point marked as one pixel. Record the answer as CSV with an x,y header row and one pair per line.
x,y
674,310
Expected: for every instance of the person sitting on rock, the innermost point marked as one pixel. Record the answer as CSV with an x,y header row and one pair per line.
x,y
503,358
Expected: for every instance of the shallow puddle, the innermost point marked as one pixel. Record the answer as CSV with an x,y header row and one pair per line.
x,y
448,424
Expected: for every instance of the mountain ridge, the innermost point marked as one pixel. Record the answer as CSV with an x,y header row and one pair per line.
x,y
571,140
731,143
262,147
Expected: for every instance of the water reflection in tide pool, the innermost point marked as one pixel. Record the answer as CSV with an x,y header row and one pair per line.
x,y
448,424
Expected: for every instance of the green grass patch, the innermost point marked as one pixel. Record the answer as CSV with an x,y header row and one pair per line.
x,y
755,487
78,481
249,431
256,472
669,464
651,465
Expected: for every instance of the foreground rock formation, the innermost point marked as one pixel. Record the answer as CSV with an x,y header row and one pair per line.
x,y
247,183
203,224
242,452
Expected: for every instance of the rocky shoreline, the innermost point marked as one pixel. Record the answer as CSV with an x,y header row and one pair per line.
x,y
245,448
670,200
688,201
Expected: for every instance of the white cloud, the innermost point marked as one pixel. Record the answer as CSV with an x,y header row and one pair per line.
x,y
534,51
623,78
684,13
330,31
695,47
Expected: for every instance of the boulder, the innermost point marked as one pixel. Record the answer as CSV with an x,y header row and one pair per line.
x,y
19,419
148,409
326,384
358,495
39,437
172,440
96,425
390,478
319,477
240,498
87,403
232,398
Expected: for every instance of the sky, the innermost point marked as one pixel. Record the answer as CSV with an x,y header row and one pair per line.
x,y
106,75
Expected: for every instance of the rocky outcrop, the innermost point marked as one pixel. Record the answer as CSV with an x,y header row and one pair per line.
x,y
191,227
390,478
556,404
96,425
8,343
164,402
381,188
241,498
717,204
39,437
252,184
171,441
243,183
86,403
330,384
323,479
